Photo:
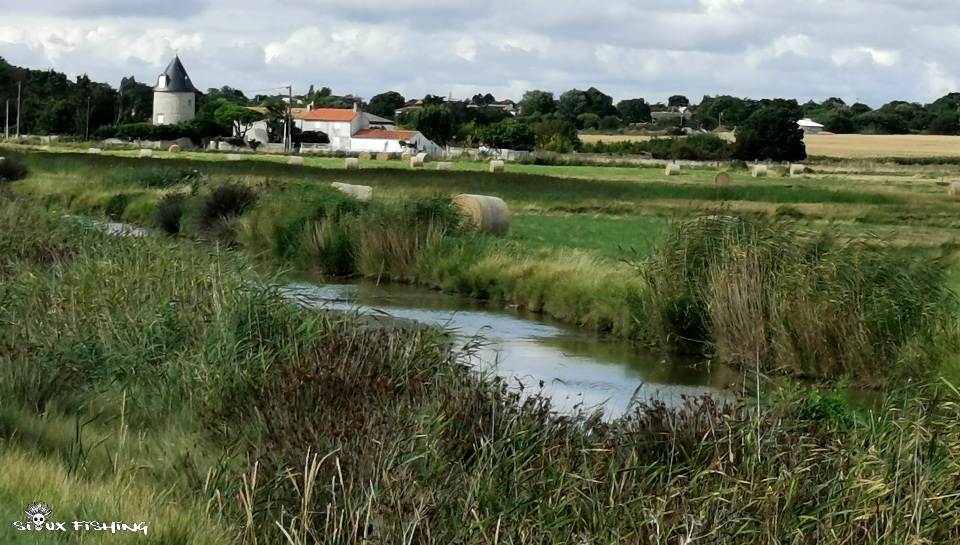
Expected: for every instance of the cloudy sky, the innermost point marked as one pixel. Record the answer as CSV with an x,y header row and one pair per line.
x,y
871,50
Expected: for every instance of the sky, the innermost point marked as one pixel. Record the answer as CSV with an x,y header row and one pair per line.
x,y
873,51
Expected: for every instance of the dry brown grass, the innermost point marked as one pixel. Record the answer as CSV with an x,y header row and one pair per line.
x,y
863,145
852,146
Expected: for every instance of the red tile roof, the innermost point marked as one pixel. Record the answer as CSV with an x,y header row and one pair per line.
x,y
330,114
387,135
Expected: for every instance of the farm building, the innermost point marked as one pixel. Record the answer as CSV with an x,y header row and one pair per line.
x,y
810,127
350,130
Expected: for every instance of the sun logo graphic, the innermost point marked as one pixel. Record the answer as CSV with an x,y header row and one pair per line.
x,y
38,513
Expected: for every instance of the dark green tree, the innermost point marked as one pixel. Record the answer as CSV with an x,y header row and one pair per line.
x,y
237,116
537,102
508,134
386,104
771,133
435,122
678,101
572,103
634,110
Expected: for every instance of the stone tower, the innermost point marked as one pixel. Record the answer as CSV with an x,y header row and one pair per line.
x,y
174,97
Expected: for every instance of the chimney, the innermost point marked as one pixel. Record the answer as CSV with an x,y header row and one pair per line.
x,y
356,106
310,107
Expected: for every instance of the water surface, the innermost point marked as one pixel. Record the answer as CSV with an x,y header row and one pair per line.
x,y
577,369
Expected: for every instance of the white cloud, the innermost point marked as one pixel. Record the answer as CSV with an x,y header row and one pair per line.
x,y
858,55
626,48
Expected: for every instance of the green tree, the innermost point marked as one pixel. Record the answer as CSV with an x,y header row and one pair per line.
x,y
435,122
237,116
386,104
537,102
554,132
678,101
588,121
634,110
599,103
508,134
771,133
609,123
572,103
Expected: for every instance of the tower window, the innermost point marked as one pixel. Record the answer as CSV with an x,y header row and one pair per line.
x,y
159,119
162,81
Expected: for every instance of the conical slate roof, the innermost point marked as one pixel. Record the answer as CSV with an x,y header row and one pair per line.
x,y
177,79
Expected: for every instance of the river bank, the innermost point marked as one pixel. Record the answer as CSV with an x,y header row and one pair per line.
x,y
143,379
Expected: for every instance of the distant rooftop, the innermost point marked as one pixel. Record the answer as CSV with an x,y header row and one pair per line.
x,y
175,79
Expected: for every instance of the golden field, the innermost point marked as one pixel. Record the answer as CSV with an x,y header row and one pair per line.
x,y
865,145
852,146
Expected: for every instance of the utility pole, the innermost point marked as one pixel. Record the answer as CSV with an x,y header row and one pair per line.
x,y
6,123
18,109
288,130
88,119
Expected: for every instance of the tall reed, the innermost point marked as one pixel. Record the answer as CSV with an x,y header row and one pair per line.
x,y
758,292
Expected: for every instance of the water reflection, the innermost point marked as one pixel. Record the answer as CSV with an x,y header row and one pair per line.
x,y
576,369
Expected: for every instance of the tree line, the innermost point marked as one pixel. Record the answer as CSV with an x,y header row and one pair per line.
x,y
53,104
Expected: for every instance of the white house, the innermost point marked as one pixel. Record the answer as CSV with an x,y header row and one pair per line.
x,y
809,126
352,131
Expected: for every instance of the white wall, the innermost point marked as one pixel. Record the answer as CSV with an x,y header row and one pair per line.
x,y
376,145
174,107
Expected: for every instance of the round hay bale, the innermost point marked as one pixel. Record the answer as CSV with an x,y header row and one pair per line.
x,y
352,163
234,157
383,157
497,166
174,149
359,192
672,169
94,151
146,153
416,161
722,179
365,156
405,157
797,170
295,160
484,213
425,157
445,166
954,189
759,171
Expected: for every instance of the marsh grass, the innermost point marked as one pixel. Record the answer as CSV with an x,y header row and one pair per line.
x,y
760,293
153,379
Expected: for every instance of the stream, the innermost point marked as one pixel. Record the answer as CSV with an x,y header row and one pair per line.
x,y
578,370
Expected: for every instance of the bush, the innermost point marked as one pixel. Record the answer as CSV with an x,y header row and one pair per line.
x,y
222,207
12,170
170,211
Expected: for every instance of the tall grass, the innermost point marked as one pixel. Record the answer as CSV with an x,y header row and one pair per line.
x,y
153,378
761,293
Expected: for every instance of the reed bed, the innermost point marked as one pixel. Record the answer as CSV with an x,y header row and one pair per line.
x,y
759,292
176,378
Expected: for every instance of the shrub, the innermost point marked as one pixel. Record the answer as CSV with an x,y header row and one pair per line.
x,y
12,170
170,211
222,207
117,204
